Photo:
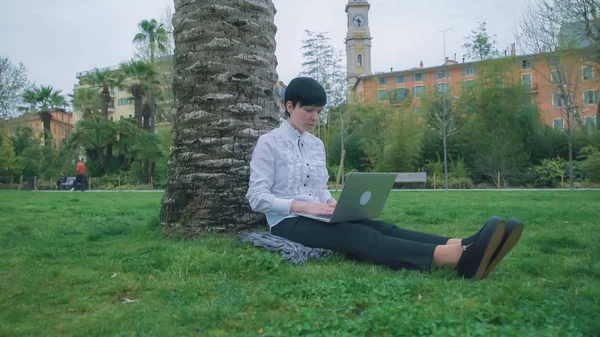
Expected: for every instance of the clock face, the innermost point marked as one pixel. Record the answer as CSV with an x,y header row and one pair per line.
x,y
359,21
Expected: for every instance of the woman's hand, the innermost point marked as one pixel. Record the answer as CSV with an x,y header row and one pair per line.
x,y
332,202
313,208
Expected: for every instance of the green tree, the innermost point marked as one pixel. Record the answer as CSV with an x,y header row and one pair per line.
x,y
13,82
104,80
391,137
142,76
43,100
8,159
156,38
443,117
480,45
502,116
323,63
94,134
153,35
541,31
86,100
22,139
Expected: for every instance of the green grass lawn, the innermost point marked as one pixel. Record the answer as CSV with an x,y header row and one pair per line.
x,y
68,261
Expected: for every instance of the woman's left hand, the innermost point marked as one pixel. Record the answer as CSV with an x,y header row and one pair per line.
x,y
331,202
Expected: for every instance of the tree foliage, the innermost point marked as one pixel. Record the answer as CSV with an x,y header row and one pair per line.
x,y
480,45
13,83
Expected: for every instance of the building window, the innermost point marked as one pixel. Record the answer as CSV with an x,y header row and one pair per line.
x,y
399,95
112,90
359,60
588,73
111,118
558,100
442,87
400,79
441,75
419,77
526,81
418,91
383,81
469,85
559,123
590,97
383,95
555,76
130,115
590,123
527,64
124,101
469,71
37,126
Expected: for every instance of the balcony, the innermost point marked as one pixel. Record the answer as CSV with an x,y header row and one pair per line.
x,y
111,105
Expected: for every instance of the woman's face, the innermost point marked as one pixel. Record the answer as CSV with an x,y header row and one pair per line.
x,y
304,118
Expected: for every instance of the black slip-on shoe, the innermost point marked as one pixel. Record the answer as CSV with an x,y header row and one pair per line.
x,y
513,229
470,239
476,256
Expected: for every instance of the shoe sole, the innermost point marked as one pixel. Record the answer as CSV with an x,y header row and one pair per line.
x,y
489,251
511,241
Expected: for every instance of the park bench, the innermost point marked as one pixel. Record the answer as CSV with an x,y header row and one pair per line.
x,y
411,177
68,184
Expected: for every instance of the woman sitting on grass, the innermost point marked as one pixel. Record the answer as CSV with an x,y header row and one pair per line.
x,y
288,175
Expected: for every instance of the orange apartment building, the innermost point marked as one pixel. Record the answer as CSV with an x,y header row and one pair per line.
x,y
532,71
61,125
395,86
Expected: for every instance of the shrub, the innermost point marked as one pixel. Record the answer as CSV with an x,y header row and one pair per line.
x,y
591,167
549,172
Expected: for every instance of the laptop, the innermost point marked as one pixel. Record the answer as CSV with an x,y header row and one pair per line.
x,y
362,197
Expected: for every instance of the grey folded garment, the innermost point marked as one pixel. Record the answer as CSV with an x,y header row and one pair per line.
x,y
289,250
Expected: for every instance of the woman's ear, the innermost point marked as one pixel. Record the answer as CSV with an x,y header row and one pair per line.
x,y
289,106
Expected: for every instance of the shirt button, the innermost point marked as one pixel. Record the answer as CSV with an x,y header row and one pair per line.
x,y
307,176
304,185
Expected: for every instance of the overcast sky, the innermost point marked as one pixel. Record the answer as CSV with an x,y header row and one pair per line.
x,y
55,39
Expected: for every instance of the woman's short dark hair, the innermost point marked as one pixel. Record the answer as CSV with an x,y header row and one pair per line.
x,y
304,91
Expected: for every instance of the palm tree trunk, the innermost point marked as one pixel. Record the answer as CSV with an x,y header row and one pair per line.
x,y
46,117
105,100
146,114
217,124
137,107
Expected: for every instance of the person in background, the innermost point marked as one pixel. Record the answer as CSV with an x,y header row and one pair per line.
x,y
81,178
61,180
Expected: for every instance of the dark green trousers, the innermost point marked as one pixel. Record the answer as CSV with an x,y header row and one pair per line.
x,y
367,240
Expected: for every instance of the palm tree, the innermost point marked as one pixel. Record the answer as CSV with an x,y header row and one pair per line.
x,y
95,134
86,100
42,100
225,87
155,36
143,77
104,80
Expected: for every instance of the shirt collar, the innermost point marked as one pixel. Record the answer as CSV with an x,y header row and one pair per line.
x,y
290,131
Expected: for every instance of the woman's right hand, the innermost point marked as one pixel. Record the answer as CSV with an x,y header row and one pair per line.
x,y
313,208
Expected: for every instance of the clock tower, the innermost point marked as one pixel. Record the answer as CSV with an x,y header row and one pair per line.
x,y
358,41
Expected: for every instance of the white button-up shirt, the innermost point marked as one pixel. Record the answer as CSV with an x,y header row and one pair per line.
x,y
286,166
